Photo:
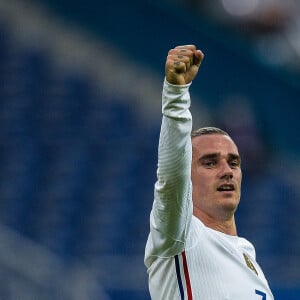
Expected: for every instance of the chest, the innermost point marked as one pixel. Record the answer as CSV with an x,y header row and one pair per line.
x,y
218,266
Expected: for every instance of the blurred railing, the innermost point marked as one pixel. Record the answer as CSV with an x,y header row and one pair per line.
x,y
29,271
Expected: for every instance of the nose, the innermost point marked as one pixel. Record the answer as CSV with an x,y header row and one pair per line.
x,y
225,170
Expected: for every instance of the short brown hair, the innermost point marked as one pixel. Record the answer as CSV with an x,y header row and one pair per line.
x,y
208,130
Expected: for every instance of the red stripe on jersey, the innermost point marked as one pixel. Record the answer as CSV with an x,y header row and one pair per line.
x,y
187,277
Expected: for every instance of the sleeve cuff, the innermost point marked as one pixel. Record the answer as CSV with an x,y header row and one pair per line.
x,y
177,89
176,101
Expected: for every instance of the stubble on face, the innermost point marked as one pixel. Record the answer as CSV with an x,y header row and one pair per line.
x,y
216,177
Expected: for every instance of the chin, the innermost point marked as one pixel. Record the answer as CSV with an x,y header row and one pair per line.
x,y
230,207
230,204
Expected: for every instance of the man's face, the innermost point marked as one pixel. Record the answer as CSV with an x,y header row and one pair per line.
x,y
216,176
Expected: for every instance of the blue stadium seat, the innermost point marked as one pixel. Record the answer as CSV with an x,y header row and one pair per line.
x,y
78,168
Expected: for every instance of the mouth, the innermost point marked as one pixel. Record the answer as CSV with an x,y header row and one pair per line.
x,y
227,187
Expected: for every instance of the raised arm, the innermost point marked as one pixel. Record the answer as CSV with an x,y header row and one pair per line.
x,y
172,208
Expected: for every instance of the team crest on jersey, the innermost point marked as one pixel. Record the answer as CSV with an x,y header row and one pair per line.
x,y
249,264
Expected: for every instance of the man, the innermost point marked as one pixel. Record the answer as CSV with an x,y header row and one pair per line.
x,y
193,251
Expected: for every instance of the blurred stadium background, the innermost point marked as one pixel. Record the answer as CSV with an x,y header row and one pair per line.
x,y
79,123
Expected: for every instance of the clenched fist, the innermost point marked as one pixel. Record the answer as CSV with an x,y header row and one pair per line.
x,y
182,64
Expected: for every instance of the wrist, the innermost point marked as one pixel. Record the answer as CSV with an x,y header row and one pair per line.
x,y
176,88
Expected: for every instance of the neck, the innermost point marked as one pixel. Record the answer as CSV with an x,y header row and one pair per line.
x,y
223,224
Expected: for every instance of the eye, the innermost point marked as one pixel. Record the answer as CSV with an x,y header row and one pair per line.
x,y
235,163
209,163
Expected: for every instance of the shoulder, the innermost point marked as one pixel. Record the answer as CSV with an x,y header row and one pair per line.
x,y
247,246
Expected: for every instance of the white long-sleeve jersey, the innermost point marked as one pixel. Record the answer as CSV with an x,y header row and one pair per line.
x,y
184,258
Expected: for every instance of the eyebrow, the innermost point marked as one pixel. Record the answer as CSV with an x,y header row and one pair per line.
x,y
229,156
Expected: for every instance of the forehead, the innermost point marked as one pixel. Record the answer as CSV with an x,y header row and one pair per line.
x,y
213,143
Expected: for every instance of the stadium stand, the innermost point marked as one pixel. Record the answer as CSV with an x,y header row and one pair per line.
x,y
78,155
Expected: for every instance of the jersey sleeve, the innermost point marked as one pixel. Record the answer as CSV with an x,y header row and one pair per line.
x,y
172,207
